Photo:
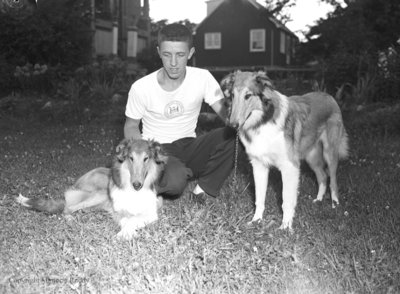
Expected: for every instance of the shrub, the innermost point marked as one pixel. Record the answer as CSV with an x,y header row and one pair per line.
x,y
56,34
39,77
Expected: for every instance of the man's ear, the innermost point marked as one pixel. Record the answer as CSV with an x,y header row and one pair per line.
x,y
158,51
191,52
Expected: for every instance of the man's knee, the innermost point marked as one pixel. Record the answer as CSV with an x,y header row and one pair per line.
x,y
175,178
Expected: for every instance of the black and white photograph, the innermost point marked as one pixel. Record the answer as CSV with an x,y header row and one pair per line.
x,y
200,146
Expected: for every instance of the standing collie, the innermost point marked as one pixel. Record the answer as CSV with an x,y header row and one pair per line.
x,y
128,190
281,131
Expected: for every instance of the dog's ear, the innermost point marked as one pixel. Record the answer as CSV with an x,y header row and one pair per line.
x,y
264,86
122,150
157,152
263,81
227,84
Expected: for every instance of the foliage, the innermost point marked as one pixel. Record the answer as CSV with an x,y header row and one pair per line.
x,y
278,8
381,119
38,77
54,34
110,72
149,58
7,80
348,44
19,6
84,93
93,85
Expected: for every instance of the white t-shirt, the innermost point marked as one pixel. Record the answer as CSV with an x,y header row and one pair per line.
x,y
169,116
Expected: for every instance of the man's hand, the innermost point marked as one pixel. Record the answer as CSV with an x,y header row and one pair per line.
x,y
131,129
220,109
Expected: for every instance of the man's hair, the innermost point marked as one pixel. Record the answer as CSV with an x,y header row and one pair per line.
x,y
175,32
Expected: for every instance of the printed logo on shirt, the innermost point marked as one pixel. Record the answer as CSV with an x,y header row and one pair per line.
x,y
173,109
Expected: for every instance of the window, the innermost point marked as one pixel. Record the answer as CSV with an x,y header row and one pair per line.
x,y
282,47
257,40
212,41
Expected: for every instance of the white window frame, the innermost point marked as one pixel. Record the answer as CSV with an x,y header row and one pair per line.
x,y
257,40
212,40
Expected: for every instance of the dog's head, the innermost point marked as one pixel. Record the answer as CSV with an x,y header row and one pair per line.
x,y
130,147
246,94
139,162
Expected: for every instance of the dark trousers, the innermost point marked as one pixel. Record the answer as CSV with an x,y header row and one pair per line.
x,y
208,158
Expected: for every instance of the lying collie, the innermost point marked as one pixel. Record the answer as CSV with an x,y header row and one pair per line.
x,y
128,190
281,131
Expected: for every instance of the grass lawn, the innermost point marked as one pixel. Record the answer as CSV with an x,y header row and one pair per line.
x,y
195,248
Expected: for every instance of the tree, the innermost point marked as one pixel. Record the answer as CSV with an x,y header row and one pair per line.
x,y
56,33
20,6
278,9
348,43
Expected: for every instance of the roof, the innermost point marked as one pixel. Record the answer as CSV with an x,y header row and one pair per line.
x,y
260,8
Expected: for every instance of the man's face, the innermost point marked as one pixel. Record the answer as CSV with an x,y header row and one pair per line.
x,y
174,56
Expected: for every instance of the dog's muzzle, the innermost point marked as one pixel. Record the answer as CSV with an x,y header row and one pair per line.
x,y
137,185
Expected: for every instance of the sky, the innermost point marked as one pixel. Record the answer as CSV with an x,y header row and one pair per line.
x,y
304,14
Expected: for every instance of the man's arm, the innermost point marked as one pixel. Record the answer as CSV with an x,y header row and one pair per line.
x,y
131,128
220,109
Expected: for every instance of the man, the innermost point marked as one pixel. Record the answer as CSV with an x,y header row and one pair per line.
x,y
168,103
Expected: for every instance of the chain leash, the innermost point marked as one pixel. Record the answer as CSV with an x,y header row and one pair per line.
x,y
236,155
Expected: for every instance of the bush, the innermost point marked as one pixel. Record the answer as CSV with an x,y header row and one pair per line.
x,y
92,87
38,77
377,120
56,34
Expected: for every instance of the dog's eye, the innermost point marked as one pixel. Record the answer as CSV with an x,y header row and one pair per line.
x,y
247,96
131,158
145,159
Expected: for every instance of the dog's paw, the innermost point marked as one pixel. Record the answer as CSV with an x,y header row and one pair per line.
x,y
286,226
23,200
335,204
255,221
316,200
126,235
258,215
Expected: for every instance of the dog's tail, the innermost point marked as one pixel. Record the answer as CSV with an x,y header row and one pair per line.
x,y
51,206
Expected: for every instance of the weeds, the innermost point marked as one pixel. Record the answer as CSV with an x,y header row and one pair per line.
x,y
82,95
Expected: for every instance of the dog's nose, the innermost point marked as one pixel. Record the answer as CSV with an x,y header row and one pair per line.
x,y
137,185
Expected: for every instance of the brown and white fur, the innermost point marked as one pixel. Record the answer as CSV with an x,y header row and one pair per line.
x,y
281,131
128,190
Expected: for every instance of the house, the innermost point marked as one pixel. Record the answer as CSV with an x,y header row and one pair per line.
x,y
242,34
122,27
